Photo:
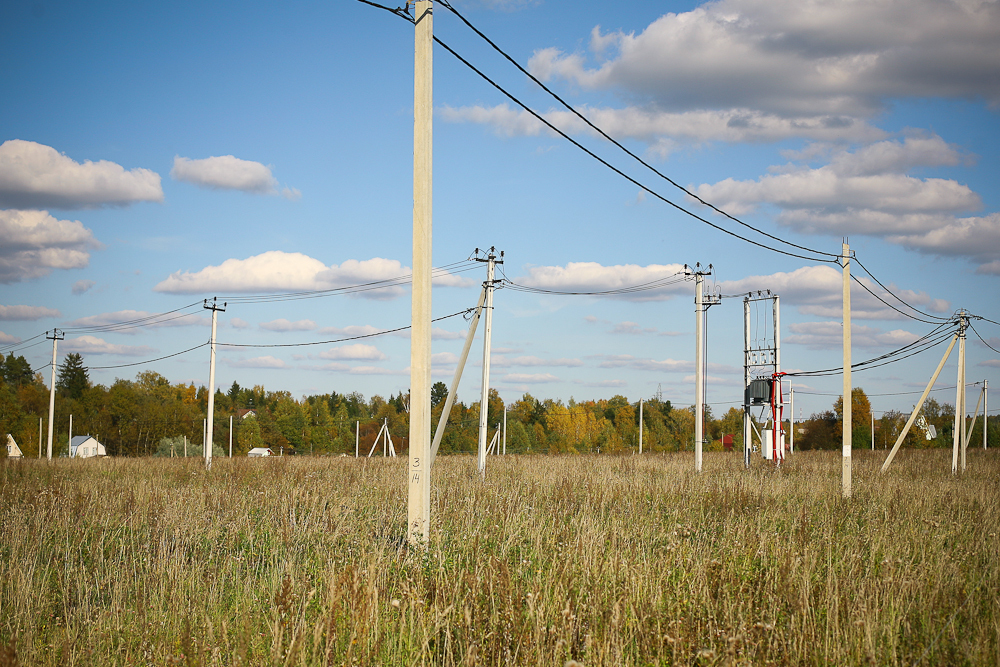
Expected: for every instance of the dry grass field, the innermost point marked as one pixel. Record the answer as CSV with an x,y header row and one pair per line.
x,y
600,560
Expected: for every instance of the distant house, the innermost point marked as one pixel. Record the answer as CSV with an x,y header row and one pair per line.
x,y
243,413
85,446
13,451
260,451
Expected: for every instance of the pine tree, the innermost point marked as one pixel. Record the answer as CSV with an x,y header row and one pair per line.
x,y
73,377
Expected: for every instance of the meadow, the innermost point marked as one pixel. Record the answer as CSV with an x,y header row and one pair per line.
x,y
549,560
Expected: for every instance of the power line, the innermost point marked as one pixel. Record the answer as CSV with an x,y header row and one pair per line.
x,y
148,361
983,339
893,295
339,340
604,134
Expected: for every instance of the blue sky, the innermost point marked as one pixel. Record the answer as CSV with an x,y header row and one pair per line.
x,y
154,156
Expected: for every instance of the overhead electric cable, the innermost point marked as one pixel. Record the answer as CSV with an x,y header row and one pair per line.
x,y
896,297
339,340
604,134
537,116
982,339
904,314
925,342
145,320
148,361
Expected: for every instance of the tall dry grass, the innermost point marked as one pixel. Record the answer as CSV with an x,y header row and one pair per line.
x,y
602,560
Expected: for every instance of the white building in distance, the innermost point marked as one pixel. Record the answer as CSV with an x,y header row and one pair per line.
x,y
260,451
85,446
13,451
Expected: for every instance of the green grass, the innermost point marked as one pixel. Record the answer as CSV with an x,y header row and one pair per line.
x,y
599,559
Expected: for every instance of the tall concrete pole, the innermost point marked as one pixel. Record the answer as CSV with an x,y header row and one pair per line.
x,y
640,426
210,426
39,437
779,446
699,361
230,436
69,442
986,411
418,468
55,338
484,402
746,382
791,419
505,430
848,398
958,436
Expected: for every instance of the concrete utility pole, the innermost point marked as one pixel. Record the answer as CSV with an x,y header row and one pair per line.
x,y
69,443
484,403
418,468
55,337
699,380
39,437
505,430
791,418
214,307
357,437
640,426
848,398
986,411
230,436
959,429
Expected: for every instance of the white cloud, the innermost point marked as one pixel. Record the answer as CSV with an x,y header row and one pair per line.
x,y
266,361
502,361
285,325
829,335
7,338
444,359
660,366
835,59
82,287
375,370
35,176
631,328
276,271
990,363
125,316
530,378
602,383
27,313
92,345
662,281
32,243
665,131
354,352
818,290
239,323
226,172
975,238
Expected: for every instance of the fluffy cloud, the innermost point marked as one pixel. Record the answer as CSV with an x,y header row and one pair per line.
x,y
27,313
257,362
660,281
239,323
661,366
276,271
530,378
123,317
836,59
632,329
7,338
665,131
818,290
82,287
602,384
34,176
226,172
502,361
91,345
285,325
829,336
32,243
990,363
975,238
861,192
355,352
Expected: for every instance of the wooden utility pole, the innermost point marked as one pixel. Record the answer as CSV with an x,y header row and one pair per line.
x,y
418,468
848,398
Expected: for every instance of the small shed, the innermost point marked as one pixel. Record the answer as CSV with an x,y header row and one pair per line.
x,y
85,447
259,451
13,451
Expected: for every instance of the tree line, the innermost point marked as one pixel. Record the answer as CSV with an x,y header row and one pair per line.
x,y
149,416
